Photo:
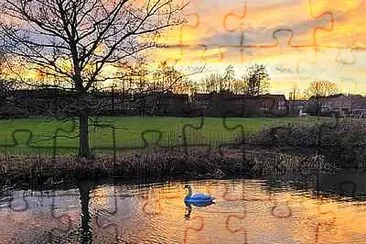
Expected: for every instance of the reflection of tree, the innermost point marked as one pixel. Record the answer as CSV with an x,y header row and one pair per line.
x,y
85,188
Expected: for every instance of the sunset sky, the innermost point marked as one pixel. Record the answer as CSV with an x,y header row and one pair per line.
x,y
328,42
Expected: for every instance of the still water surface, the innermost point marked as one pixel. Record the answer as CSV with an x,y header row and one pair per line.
x,y
329,209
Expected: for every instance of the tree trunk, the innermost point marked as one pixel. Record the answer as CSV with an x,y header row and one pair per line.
x,y
84,148
317,106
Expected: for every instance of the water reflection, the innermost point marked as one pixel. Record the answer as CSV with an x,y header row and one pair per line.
x,y
189,208
85,188
246,211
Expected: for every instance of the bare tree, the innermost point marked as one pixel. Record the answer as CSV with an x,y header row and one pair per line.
x,y
296,93
6,85
167,78
213,82
319,89
322,88
75,40
229,77
3,85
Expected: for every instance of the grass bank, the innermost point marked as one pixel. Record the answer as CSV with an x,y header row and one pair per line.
x,y
49,136
28,157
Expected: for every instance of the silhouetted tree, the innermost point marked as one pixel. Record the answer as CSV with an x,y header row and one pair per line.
x,y
229,78
256,80
213,82
7,85
167,78
319,89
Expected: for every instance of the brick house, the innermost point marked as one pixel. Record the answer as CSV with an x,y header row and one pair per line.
x,y
340,104
226,104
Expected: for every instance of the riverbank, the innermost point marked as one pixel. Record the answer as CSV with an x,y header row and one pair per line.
x,y
48,170
341,142
38,171
276,150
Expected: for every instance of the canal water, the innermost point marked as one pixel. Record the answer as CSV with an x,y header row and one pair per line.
x,y
313,209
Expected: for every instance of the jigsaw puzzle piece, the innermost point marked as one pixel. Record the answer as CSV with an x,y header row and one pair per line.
x,y
190,59
281,53
196,224
346,57
253,18
184,41
336,65
24,141
42,142
18,203
66,137
152,138
234,224
103,136
105,204
189,32
131,138
237,52
17,139
346,15
281,210
234,192
193,136
62,214
152,203
326,222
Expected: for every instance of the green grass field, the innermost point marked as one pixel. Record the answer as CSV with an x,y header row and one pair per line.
x,y
40,135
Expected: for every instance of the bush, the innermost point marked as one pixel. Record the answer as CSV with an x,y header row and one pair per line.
x,y
343,143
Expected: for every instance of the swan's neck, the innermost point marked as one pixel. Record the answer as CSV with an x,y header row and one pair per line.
x,y
189,191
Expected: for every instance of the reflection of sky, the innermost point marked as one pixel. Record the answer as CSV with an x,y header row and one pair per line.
x,y
221,23
31,216
244,209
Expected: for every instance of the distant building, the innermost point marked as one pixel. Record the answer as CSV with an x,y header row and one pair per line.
x,y
50,101
164,104
340,104
297,106
226,104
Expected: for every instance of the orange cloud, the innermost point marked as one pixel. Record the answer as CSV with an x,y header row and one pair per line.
x,y
234,34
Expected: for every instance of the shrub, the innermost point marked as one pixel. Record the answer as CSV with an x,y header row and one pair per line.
x,y
343,142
